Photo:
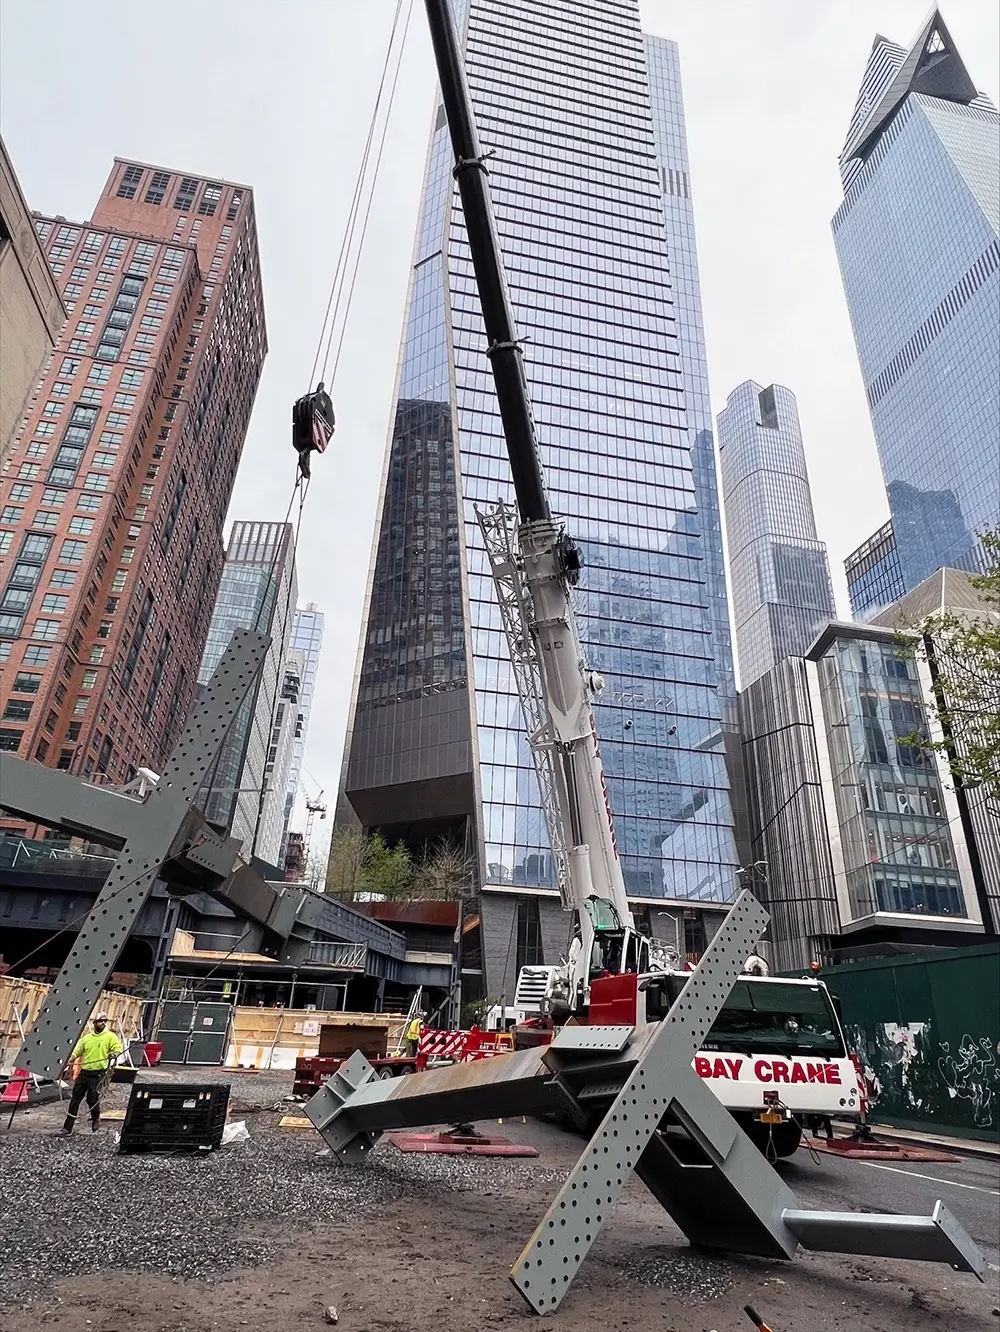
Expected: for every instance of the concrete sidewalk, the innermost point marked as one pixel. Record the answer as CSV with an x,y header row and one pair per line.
x,y
963,1146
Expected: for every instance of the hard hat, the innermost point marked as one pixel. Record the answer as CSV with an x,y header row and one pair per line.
x,y
100,1017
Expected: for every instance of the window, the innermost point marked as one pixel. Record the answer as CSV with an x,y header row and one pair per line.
x,y
60,390
27,472
234,205
6,541
124,400
91,394
45,429
45,520
209,200
17,709
109,440
10,514
72,552
27,682
89,680
131,378
52,409
97,654
99,374
36,449
54,604
117,419
20,492
157,187
126,556
73,731
118,582
62,578
104,629
104,460
10,625
81,526
88,503
130,179
94,481
185,194
45,629
139,513
146,492
10,740
36,656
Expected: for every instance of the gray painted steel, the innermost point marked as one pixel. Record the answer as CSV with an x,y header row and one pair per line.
x,y
664,1123
938,1238
661,1079
154,831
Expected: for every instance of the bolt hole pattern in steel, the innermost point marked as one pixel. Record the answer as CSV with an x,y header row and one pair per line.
x,y
99,943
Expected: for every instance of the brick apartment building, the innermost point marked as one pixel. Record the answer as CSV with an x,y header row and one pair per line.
x,y
112,507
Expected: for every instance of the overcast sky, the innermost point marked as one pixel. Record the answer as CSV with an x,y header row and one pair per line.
x,y
279,95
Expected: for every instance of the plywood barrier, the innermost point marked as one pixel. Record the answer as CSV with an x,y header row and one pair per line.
x,y
276,1037
21,1001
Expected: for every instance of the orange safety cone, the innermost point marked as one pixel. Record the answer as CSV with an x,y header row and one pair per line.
x,y
756,1319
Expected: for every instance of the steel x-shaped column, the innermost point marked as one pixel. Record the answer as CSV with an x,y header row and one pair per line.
x,y
153,831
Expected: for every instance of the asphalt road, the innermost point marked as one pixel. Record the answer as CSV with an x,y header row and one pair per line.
x,y
969,1188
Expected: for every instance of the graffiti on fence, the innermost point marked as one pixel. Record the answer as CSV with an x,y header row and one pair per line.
x,y
970,1074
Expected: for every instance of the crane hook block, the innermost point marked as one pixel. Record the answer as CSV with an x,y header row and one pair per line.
x,y
312,425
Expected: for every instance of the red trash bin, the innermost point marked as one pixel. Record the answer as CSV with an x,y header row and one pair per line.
x,y
152,1053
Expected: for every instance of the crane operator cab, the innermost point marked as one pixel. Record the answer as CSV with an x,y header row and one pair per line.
x,y
601,945
616,947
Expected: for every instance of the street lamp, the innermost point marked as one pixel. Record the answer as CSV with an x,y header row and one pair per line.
x,y
677,931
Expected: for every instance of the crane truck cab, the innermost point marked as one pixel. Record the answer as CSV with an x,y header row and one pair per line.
x,y
776,1056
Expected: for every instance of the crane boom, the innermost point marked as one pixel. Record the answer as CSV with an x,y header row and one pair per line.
x,y
545,566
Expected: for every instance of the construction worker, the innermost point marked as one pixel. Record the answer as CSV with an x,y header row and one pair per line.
x,y
413,1028
96,1052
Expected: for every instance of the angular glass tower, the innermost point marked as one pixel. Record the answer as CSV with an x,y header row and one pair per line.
x,y
918,240
781,580
436,744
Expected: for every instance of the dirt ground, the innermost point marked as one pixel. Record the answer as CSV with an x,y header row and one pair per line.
x,y
435,1259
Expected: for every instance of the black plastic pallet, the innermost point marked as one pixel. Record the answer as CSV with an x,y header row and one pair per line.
x,y
173,1118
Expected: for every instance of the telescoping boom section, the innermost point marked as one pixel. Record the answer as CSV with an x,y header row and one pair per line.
x,y
536,565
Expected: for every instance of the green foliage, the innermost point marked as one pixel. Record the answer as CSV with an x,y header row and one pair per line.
x,y
362,865
963,653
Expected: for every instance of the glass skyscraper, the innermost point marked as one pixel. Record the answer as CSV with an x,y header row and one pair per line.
x,y
436,744
918,240
247,784
781,580
306,641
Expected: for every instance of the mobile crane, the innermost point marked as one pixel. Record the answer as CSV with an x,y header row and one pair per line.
x,y
535,565
772,1031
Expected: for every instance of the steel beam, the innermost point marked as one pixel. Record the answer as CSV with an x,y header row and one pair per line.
x,y
154,833
59,800
938,1238
664,1123
564,1236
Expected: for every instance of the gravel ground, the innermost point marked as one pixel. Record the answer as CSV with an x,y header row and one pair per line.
x,y
266,1234
70,1206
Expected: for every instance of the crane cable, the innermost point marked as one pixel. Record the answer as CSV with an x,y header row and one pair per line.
x,y
345,275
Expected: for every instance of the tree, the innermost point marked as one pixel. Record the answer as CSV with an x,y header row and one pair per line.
x,y
445,872
344,867
361,864
962,654
387,871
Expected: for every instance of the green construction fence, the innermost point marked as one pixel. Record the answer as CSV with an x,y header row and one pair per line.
x,y
928,1029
